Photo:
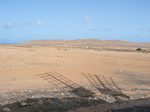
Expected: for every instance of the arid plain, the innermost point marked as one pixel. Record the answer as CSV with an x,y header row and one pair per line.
x,y
72,74
22,65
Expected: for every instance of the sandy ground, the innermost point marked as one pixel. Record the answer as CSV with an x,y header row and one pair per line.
x,y
23,68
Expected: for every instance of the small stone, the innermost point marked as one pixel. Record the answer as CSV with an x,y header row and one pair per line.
x,y
6,110
40,102
119,98
33,96
62,94
131,98
107,97
23,104
96,98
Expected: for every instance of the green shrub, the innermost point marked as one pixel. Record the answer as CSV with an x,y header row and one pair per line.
x,y
139,49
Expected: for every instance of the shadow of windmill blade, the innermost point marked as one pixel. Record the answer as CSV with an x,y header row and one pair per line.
x,y
61,81
118,91
105,86
51,80
92,80
106,90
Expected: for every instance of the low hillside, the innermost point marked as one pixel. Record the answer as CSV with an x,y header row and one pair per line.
x,y
87,42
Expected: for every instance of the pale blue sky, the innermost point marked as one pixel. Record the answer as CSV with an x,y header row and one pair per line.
x,y
24,20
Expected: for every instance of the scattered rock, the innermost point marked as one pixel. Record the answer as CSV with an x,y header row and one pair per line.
x,y
119,98
23,104
107,97
33,97
6,110
131,98
57,98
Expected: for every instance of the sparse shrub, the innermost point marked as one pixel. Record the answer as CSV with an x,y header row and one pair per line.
x,y
139,49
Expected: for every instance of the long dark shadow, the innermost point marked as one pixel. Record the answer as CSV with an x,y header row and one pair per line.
x,y
60,81
105,86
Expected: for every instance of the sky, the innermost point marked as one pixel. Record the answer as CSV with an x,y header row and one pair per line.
x,y
26,20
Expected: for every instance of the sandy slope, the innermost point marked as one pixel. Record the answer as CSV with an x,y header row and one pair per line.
x,y
20,67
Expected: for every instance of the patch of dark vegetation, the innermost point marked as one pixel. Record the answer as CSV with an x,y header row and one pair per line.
x,y
127,50
139,49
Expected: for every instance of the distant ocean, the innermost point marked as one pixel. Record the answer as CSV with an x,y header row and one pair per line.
x,y
8,43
